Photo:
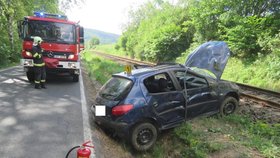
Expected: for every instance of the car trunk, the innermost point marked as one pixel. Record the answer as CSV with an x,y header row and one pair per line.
x,y
113,92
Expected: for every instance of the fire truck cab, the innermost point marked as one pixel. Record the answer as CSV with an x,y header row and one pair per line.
x,y
63,40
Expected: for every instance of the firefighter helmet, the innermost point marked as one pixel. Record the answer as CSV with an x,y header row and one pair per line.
x,y
37,40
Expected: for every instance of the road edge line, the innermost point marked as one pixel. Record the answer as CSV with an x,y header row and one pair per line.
x,y
86,125
9,68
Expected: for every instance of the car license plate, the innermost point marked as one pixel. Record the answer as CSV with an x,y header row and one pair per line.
x,y
60,56
100,110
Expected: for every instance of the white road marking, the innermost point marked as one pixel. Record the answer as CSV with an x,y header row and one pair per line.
x,y
87,130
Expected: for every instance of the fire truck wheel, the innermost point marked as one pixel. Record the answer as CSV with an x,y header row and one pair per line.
x,y
75,78
30,76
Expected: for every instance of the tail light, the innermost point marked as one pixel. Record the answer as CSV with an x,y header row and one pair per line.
x,y
121,109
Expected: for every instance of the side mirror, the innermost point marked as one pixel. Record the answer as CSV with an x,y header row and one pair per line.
x,y
21,25
81,35
20,28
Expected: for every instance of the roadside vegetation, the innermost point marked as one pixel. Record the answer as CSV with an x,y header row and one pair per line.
x,y
161,31
99,68
111,49
262,72
231,136
237,135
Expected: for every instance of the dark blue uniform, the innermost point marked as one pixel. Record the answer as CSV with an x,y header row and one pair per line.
x,y
39,67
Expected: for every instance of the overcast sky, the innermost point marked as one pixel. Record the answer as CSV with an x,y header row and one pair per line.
x,y
104,15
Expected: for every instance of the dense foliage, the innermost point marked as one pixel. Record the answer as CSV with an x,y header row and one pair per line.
x,y
13,10
164,31
161,31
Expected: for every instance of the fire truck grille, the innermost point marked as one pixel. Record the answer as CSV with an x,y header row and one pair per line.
x,y
59,55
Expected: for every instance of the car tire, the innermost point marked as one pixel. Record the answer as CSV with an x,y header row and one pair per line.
x,y
229,106
30,76
75,78
143,136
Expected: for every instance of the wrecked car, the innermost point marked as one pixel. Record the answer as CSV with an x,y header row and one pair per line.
x,y
141,104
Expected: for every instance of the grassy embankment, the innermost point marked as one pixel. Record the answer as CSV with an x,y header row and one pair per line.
x,y
110,48
236,135
99,68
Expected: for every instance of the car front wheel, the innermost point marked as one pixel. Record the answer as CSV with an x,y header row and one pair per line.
x,y
229,106
75,78
143,136
30,76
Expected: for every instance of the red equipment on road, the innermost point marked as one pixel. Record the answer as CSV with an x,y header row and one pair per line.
x,y
83,151
62,42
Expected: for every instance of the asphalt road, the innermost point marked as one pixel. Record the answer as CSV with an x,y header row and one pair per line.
x,y
43,123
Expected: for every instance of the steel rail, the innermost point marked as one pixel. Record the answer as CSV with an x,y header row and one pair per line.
x,y
274,93
259,99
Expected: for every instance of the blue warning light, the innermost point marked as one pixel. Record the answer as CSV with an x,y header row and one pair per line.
x,y
47,15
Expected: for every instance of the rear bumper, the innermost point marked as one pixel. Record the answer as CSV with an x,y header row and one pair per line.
x,y
120,128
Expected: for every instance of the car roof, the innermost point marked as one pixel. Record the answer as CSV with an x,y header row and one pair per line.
x,y
142,72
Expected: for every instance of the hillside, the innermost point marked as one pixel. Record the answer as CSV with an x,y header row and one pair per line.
x,y
104,37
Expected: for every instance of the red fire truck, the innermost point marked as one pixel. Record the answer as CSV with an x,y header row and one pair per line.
x,y
63,41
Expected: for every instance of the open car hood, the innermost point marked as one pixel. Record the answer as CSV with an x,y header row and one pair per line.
x,y
212,56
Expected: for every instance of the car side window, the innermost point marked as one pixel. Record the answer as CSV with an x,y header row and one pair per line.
x,y
159,83
191,80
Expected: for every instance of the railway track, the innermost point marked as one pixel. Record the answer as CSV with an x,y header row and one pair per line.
x,y
125,60
267,97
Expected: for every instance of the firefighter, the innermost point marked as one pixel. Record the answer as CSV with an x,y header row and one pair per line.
x,y
39,64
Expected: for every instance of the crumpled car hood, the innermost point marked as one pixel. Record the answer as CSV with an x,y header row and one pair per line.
x,y
212,56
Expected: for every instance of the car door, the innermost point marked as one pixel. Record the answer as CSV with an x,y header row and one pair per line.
x,y
200,97
167,103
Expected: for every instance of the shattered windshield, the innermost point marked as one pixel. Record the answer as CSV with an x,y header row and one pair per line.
x,y
51,31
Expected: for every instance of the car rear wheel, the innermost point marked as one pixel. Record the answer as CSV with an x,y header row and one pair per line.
x,y
143,136
229,106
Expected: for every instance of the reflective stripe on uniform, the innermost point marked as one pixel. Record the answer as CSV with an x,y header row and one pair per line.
x,y
35,55
43,80
43,64
37,81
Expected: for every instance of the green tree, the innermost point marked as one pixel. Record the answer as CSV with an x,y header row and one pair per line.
x,y
161,34
158,29
94,41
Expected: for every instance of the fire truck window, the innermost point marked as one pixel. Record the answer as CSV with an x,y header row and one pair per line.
x,y
51,31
